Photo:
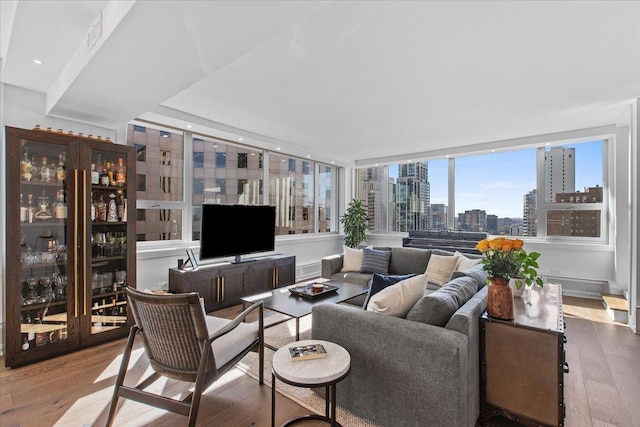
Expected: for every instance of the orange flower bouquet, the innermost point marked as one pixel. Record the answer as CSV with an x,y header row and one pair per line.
x,y
506,259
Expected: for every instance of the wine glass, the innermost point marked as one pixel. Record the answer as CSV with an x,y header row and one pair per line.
x,y
61,284
101,241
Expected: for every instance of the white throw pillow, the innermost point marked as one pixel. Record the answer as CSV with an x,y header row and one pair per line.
x,y
465,263
352,259
397,300
440,268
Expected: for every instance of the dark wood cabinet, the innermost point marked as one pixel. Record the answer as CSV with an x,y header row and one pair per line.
x,y
522,361
67,268
222,285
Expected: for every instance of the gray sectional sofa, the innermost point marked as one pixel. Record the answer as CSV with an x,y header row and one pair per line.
x,y
409,372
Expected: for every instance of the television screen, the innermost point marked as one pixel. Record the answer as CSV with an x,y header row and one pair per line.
x,y
234,230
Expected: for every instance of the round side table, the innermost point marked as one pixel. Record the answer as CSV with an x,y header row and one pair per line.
x,y
325,372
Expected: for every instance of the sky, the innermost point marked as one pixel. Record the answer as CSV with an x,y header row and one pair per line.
x,y
497,182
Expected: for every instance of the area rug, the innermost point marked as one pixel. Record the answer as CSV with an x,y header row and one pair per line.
x,y
278,336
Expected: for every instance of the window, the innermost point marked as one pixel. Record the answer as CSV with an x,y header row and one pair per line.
x,y
555,191
222,172
159,173
292,193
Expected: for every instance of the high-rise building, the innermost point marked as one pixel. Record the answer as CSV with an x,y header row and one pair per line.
x,y
439,216
371,191
492,224
473,220
559,172
413,202
529,214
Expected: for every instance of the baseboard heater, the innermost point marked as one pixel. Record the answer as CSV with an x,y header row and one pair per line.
x,y
584,288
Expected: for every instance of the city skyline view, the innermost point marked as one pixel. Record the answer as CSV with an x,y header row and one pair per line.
x,y
497,182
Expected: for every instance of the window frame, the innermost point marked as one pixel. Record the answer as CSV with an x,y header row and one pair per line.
x,y
186,204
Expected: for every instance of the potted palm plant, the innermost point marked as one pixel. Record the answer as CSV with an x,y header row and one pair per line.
x,y
355,223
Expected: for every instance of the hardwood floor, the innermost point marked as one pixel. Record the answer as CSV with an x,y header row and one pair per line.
x,y
75,390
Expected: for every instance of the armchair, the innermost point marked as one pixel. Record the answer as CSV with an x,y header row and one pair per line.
x,y
183,343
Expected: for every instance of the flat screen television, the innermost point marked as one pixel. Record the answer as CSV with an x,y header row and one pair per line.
x,y
236,230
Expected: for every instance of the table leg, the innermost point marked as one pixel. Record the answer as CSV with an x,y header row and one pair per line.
x,y
333,405
297,329
326,402
273,400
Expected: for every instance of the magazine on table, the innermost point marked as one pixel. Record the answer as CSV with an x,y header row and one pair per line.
x,y
307,352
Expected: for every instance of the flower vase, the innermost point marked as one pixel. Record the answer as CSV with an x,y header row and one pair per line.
x,y
500,299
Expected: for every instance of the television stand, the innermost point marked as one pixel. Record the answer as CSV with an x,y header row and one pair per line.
x,y
222,285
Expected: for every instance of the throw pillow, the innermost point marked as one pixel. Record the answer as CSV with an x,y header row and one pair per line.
x,y
465,263
476,272
440,268
437,308
352,259
379,282
375,261
398,299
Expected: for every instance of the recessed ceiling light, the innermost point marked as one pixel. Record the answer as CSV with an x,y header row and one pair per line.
x,y
239,139
253,154
308,157
189,126
493,151
37,61
333,163
547,144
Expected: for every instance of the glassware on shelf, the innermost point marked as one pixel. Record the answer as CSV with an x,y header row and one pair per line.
x,y
100,240
61,283
44,209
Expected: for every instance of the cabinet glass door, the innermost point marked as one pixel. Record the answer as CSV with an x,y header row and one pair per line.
x,y
106,213
47,281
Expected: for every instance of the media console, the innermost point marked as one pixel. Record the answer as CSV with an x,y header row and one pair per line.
x,y
223,284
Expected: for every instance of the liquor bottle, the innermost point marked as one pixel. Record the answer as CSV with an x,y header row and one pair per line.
x,y
110,173
95,175
44,209
121,206
101,210
26,167
23,210
61,171
60,211
93,208
45,173
31,210
121,176
104,177
112,209
35,170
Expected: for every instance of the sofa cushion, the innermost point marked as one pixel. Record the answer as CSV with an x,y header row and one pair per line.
x,y
440,268
396,300
352,259
375,261
408,260
381,281
354,277
465,263
476,272
438,307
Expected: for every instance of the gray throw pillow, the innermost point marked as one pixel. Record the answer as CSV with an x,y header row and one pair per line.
x,y
438,307
476,272
434,309
409,260
375,261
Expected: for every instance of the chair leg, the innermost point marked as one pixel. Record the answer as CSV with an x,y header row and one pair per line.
x,y
121,374
197,390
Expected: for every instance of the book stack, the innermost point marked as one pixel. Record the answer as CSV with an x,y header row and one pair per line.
x,y
307,352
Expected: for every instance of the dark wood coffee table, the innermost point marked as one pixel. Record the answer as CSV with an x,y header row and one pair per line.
x,y
282,301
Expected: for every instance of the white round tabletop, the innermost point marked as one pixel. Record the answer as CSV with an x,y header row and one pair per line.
x,y
312,372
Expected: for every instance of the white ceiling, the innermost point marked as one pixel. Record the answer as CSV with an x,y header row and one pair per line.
x,y
342,81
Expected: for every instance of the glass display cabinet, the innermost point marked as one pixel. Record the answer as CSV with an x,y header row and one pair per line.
x,y
70,244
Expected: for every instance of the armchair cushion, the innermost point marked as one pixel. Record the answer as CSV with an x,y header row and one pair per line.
x,y
230,345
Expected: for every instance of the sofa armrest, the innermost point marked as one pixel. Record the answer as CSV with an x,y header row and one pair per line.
x,y
398,367
331,265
